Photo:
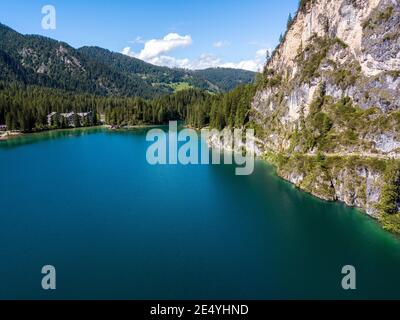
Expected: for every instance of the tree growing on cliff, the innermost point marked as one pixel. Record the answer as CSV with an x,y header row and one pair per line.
x,y
290,21
391,189
268,56
388,205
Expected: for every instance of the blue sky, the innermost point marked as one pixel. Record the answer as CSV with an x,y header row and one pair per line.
x,y
183,33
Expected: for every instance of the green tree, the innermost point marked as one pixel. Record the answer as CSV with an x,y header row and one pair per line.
x,y
290,20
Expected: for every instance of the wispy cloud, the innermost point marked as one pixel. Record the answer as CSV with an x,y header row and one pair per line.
x,y
138,40
221,44
156,51
255,64
259,44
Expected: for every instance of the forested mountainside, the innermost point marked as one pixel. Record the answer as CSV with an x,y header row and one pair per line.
x,y
36,60
327,111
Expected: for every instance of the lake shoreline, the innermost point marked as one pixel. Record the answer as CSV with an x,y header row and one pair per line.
x,y
316,189
14,134
7,135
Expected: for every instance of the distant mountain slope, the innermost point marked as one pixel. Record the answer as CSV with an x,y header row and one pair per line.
x,y
43,61
213,79
225,79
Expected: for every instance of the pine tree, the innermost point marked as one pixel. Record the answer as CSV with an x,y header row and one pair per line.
x,y
290,20
268,56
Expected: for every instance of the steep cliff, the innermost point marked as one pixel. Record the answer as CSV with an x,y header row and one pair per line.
x,y
328,108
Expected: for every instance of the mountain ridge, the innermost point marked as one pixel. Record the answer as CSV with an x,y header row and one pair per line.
x,y
43,61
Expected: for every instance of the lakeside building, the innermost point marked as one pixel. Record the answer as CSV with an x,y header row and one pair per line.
x,y
71,119
86,118
3,127
52,118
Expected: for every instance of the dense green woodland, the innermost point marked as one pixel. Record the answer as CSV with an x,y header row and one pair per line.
x,y
197,108
26,107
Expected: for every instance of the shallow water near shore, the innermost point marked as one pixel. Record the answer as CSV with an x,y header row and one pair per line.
x,y
114,227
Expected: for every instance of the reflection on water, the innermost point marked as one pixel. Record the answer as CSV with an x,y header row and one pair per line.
x,y
31,138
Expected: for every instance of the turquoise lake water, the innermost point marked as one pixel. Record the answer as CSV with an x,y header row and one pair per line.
x,y
114,227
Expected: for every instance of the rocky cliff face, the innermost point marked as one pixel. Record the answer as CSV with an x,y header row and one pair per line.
x,y
328,108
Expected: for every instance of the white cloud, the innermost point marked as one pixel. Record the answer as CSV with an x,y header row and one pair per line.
x,y
155,52
251,65
262,53
221,44
127,51
210,61
156,47
138,40
255,64
171,62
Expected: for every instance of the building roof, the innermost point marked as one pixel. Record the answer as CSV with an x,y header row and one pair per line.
x,y
84,114
67,115
70,114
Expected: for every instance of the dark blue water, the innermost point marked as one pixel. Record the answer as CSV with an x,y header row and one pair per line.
x,y
87,202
